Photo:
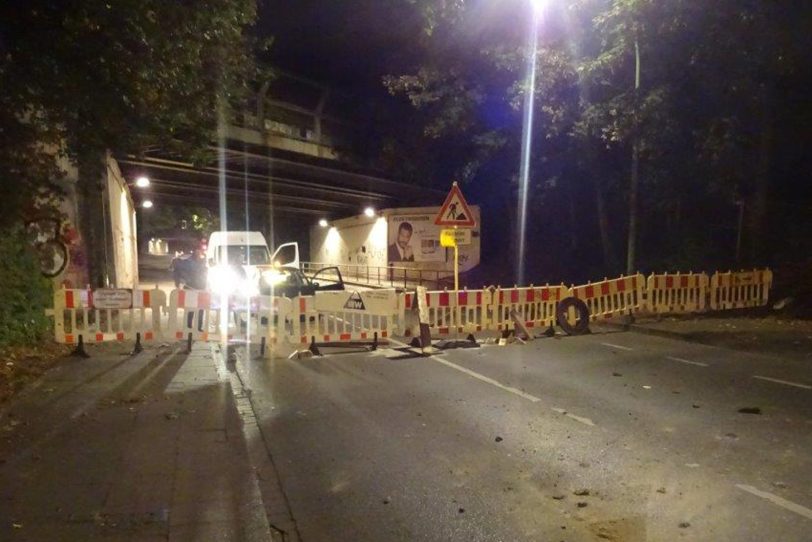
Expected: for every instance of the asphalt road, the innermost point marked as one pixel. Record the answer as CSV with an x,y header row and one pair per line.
x,y
610,436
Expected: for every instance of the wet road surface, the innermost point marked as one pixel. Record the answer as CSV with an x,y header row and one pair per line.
x,y
610,436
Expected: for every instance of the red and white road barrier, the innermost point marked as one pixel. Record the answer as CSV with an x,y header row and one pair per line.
x,y
107,315
677,293
447,312
612,297
343,316
534,307
738,290
189,313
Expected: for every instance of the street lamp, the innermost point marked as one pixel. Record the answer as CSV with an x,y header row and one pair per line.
x,y
323,223
369,211
147,204
142,182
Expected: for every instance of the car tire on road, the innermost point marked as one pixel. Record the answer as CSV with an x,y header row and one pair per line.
x,y
581,325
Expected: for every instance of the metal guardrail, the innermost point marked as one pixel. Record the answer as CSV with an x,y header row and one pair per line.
x,y
389,277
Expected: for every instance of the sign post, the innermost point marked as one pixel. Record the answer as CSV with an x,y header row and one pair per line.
x,y
456,214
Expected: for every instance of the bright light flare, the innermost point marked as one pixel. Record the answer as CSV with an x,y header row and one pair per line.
x,y
323,223
369,211
142,182
538,5
222,279
147,204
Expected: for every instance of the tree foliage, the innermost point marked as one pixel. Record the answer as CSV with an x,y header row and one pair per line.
x,y
713,84
80,78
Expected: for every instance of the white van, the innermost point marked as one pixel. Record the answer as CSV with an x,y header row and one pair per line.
x,y
235,259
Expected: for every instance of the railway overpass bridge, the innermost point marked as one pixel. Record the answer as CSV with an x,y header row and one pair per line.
x,y
280,158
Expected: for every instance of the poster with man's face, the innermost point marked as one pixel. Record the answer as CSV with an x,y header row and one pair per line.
x,y
414,238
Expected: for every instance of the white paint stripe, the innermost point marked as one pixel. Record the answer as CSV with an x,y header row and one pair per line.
x,y
478,376
689,362
489,380
775,499
585,421
610,345
788,383
520,393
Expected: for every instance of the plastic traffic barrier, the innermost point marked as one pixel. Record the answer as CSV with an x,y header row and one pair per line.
x,y
535,306
742,289
612,297
344,316
677,293
447,311
107,315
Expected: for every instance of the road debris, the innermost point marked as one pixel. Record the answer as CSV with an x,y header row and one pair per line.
x,y
559,496
750,410
684,525
661,490
581,492
581,504
498,439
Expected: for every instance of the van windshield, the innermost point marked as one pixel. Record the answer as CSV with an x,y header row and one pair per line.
x,y
244,254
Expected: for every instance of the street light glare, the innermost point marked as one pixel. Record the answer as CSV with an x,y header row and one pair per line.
x,y
369,211
538,5
142,182
323,223
147,204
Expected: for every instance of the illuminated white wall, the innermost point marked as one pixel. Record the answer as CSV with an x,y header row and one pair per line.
x,y
361,240
121,212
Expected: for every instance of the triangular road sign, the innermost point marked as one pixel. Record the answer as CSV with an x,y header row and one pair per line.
x,y
455,210
355,302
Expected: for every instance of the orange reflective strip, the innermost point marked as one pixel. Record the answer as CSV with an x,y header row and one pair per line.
x,y
99,337
146,299
302,305
69,299
120,336
182,299
148,335
68,339
344,337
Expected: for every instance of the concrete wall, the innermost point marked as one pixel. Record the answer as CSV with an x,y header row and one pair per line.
x,y
122,255
362,240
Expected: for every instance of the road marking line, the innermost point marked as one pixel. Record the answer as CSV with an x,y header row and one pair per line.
x,y
510,389
585,421
775,499
788,383
610,345
489,380
689,362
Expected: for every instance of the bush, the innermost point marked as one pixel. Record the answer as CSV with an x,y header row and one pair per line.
x,y
24,292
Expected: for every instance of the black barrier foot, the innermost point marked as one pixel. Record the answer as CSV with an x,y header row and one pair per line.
x,y
189,344
549,332
374,341
415,343
79,351
470,338
137,349
313,348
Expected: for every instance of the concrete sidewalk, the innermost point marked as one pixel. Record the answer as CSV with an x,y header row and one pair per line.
x,y
150,447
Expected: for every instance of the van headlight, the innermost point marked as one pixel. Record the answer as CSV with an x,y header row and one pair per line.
x,y
223,280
